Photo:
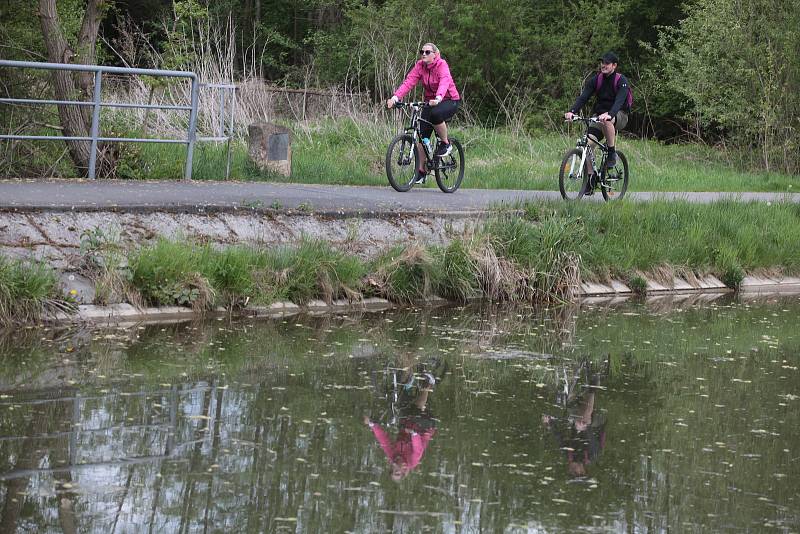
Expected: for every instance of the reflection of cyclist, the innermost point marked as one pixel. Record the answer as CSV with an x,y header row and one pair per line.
x,y
610,105
416,427
580,433
440,92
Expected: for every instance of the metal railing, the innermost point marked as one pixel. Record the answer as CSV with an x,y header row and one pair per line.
x,y
97,104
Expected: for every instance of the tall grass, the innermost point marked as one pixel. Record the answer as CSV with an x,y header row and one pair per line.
x,y
201,276
724,238
27,291
540,257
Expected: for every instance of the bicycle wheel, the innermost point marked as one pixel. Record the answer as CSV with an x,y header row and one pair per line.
x,y
401,162
571,176
616,180
450,169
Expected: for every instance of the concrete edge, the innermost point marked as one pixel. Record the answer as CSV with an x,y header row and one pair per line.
x,y
125,314
200,209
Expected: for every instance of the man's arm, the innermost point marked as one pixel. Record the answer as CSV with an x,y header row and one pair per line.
x,y
588,90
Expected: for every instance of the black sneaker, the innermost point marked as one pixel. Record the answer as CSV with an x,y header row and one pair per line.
x,y
420,177
611,160
443,149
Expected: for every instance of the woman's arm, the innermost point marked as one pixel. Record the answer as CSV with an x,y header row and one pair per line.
x,y
411,80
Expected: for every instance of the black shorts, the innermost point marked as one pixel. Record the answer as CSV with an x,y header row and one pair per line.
x,y
437,115
619,122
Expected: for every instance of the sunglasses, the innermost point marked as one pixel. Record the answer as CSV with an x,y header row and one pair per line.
x,y
425,52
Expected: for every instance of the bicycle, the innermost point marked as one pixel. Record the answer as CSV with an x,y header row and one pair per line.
x,y
572,380
402,160
398,387
573,181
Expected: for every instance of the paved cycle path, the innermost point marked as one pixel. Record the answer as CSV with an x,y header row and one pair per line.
x,y
183,196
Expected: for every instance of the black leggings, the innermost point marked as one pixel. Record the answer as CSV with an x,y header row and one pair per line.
x,y
437,115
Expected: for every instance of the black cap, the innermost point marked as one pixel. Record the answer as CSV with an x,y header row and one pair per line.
x,y
609,57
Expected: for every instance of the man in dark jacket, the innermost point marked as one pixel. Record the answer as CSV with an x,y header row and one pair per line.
x,y
611,103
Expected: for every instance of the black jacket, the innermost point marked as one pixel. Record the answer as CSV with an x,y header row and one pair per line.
x,y
606,100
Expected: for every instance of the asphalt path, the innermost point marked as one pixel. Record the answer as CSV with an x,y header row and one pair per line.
x,y
194,196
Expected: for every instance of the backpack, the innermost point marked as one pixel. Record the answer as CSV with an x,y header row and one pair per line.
x,y
617,76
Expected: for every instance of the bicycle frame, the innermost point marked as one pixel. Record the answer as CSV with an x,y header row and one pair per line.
x,y
413,127
584,144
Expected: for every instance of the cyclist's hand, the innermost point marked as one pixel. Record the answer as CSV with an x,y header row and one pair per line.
x,y
390,103
569,115
604,117
434,102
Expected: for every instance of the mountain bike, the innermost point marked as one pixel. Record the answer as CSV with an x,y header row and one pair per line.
x,y
398,387
402,160
572,378
573,179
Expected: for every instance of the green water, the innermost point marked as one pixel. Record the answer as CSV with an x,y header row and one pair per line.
x,y
684,417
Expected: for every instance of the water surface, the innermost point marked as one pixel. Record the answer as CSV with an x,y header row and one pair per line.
x,y
683,417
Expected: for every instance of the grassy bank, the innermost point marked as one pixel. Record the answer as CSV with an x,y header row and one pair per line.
x,y
727,239
27,291
537,257
348,152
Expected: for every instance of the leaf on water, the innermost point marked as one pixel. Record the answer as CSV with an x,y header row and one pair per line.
x,y
561,501
286,519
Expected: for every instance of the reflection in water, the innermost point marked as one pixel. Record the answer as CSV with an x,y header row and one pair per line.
x,y
579,431
407,390
259,426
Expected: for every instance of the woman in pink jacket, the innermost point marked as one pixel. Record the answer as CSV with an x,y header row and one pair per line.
x,y
440,92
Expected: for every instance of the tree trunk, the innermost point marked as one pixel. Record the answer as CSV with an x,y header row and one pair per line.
x,y
75,120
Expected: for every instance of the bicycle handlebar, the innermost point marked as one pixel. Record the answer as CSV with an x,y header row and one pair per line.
x,y
577,118
410,104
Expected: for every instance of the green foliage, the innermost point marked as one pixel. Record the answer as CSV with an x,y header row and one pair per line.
x,y
638,284
26,289
170,273
718,238
730,61
312,270
455,273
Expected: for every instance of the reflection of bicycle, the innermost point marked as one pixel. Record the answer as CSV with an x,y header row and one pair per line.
x,y
580,175
399,387
571,380
402,159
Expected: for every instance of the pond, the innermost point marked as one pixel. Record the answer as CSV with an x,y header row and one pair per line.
x,y
668,415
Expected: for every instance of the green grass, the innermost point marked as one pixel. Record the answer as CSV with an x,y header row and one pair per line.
x,y
26,291
352,152
533,258
346,152
170,273
724,238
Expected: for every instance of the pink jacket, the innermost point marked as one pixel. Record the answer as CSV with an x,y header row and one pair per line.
x,y
409,449
436,80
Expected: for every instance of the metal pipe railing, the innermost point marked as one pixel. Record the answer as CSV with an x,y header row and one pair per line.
x,y
97,105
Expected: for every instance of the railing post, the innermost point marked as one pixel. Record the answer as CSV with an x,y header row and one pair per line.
x,y
230,133
192,127
98,76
